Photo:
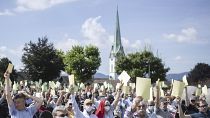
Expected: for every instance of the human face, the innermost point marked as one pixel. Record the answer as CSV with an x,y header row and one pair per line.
x,y
69,108
19,103
164,105
203,107
107,106
141,106
192,102
60,114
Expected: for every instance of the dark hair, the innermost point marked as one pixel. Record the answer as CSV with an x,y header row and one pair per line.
x,y
45,114
21,95
110,98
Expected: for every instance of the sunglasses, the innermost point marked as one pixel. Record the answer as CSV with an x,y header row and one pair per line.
x,y
62,115
165,103
203,106
143,106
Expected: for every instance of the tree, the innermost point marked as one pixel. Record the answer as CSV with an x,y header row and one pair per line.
x,y
199,74
41,60
142,64
3,66
82,62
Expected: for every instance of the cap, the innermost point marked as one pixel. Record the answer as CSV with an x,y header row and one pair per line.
x,y
88,101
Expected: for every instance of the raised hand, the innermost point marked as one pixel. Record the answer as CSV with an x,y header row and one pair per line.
x,y
6,75
71,89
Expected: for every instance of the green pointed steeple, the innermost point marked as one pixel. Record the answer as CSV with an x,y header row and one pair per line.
x,y
117,48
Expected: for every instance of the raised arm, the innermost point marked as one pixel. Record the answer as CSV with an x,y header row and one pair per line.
x,y
77,112
2,98
117,97
181,114
38,101
59,101
157,103
8,89
186,97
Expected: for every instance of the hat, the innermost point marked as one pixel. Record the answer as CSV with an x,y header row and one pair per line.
x,y
88,101
193,98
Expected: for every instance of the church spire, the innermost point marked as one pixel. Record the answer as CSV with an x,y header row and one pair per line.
x,y
117,48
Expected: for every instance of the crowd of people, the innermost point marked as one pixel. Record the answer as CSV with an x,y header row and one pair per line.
x,y
96,103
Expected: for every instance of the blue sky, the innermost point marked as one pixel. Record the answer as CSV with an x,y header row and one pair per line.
x,y
178,29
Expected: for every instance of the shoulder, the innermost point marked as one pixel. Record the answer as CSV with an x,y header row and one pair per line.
x,y
208,112
195,115
93,116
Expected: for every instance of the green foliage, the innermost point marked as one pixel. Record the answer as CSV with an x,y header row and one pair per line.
x,y
41,60
142,64
82,62
199,74
61,54
3,66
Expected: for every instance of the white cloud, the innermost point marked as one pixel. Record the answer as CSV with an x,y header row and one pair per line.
x,y
66,44
95,33
131,46
3,48
11,51
177,58
32,5
186,35
13,54
6,12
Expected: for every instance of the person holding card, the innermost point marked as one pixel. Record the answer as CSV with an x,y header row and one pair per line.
x,y
107,106
137,110
161,106
88,107
17,108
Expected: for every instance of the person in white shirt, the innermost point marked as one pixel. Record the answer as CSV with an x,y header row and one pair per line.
x,y
88,107
107,106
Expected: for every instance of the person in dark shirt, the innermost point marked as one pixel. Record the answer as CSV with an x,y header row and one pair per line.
x,y
192,108
4,111
203,111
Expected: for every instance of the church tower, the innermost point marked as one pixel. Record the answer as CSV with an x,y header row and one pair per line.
x,y
116,50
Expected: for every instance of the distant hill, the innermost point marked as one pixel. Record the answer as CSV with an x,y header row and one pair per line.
x,y
101,76
175,76
169,77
